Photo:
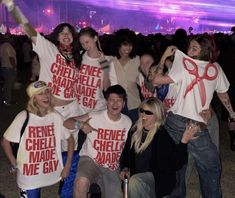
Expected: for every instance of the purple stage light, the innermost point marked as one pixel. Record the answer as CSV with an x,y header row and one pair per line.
x,y
142,16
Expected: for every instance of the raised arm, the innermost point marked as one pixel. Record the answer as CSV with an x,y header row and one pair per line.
x,y
20,19
160,79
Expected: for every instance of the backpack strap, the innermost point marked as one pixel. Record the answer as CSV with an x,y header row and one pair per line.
x,y
25,124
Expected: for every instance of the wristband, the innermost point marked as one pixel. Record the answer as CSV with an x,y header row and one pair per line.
x,y
13,169
78,125
232,115
104,64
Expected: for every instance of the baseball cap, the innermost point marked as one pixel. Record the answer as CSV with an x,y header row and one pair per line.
x,y
36,87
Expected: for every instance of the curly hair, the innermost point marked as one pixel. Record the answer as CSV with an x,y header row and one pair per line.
x,y
125,36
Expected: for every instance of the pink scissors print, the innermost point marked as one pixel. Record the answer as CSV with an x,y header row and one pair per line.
x,y
199,79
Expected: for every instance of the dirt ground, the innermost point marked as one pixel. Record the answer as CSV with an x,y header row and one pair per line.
x,y
8,185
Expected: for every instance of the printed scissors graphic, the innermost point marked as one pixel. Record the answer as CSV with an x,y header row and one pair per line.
x,y
199,79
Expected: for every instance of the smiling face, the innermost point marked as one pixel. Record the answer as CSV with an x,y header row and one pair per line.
x,y
147,116
88,43
43,100
115,104
125,49
145,62
65,37
194,49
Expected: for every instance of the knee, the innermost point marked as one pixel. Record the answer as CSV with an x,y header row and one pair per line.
x,y
81,185
134,182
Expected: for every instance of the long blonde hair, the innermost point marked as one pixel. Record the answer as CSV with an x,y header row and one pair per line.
x,y
158,110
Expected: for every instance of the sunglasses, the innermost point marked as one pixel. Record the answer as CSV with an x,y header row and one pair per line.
x,y
146,111
39,84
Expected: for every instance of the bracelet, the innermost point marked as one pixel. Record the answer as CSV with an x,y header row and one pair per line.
x,y
13,169
78,125
232,115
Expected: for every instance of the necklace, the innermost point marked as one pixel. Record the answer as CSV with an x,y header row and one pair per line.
x,y
66,51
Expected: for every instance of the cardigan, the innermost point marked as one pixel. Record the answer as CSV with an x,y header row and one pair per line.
x,y
166,158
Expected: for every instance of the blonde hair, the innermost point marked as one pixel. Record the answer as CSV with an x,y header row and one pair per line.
x,y
32,107
157,108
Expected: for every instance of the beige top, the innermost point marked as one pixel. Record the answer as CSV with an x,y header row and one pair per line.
x,y
127,77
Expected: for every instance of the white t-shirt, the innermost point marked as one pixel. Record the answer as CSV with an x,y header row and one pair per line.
x,y
145,93
54,70
105,145
89,86
39,157
195,94
171,96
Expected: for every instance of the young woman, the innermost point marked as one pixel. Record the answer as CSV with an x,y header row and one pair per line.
x,y
150,157
39,161
59,59
96,73
146,88
198,76
126,63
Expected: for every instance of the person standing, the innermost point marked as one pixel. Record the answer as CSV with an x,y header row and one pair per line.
x,y
126,63
193,74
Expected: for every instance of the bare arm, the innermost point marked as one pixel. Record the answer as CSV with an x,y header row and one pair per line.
x,y
70,123
20,19
66,170
8,151
160,79
79,122
224,98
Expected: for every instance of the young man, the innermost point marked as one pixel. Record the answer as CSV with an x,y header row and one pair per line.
x,y
106,135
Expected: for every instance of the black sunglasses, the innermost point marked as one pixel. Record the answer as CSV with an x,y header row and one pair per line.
x,y
146,111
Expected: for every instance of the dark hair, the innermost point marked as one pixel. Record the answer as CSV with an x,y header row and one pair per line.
x,y
117,89
53,37
209,51
125,36
91,33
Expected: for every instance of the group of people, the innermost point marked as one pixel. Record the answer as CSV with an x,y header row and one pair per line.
x,y
100,119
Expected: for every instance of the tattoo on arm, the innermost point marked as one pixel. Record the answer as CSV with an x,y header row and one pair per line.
x,y
224,98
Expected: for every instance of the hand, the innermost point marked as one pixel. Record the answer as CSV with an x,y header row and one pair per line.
x,y
168,52
87,128
65,173
190,132
232,115
123,174
6,2
206,115
104,63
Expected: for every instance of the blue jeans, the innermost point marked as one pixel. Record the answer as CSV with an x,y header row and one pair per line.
x,y
34,193
133,114
141,185
66,187
204,153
